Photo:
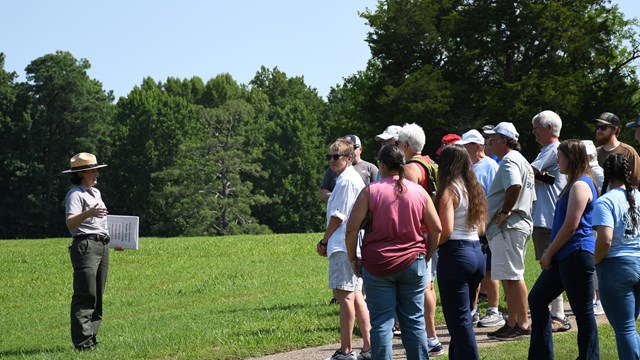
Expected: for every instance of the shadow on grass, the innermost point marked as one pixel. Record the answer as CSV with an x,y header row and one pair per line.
x,y
29,352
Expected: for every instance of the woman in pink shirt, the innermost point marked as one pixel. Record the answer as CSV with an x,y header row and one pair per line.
x,y
394,254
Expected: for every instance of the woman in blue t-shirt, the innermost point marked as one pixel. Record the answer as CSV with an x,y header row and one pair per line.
x,y
616,218
567,264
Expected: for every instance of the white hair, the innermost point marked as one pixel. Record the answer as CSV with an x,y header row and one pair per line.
x,y
547,118
413,135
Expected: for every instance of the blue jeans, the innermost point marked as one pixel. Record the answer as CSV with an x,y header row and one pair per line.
x,y
460,269
401,292
619,281
574,275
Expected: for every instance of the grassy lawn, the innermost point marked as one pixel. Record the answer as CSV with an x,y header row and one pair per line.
x,y
192,298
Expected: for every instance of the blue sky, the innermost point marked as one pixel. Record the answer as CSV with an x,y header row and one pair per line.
x,y
127,40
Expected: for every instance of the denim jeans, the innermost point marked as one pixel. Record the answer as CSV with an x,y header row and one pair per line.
x,y
619,279
460,269
401,292
574,275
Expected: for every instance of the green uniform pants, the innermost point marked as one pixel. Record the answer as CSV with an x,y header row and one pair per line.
x,y
90,260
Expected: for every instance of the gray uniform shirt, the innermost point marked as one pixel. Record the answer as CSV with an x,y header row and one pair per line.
x,y
80,199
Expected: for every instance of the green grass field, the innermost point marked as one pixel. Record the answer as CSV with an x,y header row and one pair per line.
x,y
193,298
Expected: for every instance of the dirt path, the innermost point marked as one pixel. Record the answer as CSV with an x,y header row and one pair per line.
x,y
325,351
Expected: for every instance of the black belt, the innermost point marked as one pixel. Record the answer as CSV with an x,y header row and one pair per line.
x,y
95,237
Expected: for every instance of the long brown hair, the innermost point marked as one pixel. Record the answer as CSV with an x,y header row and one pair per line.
x,y
577,163
455,166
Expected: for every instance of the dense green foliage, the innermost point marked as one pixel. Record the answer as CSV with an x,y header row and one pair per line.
x,y
227,297
194,157
452,65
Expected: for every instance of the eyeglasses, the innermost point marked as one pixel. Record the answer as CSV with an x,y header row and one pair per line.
x,y
335,157
602,127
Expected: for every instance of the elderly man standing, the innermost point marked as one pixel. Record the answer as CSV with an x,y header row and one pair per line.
x,y
607,131
421,170
509,225
549,184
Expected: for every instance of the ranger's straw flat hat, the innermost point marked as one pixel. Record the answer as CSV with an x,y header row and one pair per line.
x,y
82,162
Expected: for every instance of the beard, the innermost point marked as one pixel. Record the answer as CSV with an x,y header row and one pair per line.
x,y
604,139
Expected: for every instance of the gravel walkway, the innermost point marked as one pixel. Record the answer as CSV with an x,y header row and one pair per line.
x,y
325,351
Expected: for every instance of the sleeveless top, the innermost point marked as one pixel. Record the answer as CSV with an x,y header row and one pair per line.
x,y
460,229
395,238
583,238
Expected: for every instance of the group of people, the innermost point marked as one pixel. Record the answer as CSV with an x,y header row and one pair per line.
x,y
475,213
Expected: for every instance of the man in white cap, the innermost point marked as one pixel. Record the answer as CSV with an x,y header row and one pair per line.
x,y
389,135
509,224
596,170
607,131
598,175
485,169
549,184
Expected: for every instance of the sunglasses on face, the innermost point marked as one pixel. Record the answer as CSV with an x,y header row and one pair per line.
x,y
335,157
602,127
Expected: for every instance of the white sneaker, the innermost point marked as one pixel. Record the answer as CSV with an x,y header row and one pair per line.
x,y
365,355
492,319
339,355
597,308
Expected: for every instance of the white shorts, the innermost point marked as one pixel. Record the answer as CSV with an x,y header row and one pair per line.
x,y
508,250
341,276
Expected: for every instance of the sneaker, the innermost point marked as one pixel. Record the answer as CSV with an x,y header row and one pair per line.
x,y
365,355
597,308
339,355
492,319
560,325
475,318
435,350
504,328
396,330
516,333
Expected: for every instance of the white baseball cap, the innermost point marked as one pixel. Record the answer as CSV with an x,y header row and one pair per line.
x,y
391,132
505,128
471,136
588,144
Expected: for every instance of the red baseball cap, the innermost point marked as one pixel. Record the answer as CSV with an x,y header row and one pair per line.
x,y
447,140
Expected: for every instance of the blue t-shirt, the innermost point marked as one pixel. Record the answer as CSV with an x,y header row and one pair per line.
x,y
612,210
583,238
485,170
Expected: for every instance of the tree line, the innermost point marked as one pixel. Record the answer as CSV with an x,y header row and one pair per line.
x,y
212,158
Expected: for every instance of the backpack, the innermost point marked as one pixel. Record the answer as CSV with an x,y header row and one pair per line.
x,y
430,172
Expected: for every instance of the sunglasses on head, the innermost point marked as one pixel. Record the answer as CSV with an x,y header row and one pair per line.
x,y
334,157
